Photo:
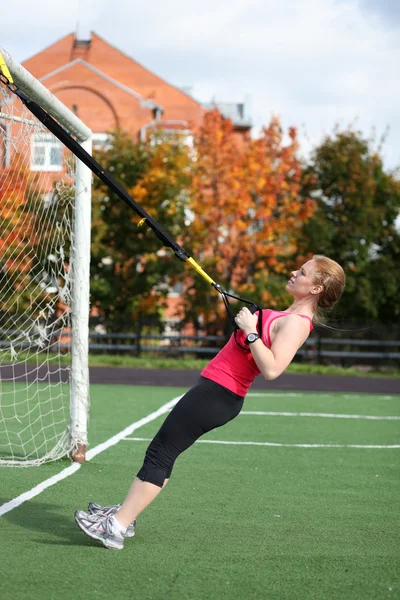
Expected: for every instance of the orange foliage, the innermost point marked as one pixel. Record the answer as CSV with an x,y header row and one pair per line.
x,y
15,226
247,204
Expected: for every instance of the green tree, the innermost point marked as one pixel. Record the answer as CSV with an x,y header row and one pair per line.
x,y
354,223
130,271
385,282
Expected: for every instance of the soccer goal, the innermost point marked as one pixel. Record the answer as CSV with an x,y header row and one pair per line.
x,y
45,208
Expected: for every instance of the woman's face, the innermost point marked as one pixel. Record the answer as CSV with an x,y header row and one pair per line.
x,y
301,283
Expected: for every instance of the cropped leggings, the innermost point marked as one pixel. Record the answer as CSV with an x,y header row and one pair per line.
x,y
204,407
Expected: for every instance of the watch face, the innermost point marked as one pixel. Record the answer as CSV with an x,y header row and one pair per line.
x,y
252,337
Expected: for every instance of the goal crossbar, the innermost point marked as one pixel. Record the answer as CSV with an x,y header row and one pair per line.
x,y
37,92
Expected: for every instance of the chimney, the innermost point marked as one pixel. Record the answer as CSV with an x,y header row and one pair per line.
x,y
81,47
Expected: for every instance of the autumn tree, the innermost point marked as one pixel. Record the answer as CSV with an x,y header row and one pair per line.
x,y
354,223
130,270
246,206
28,233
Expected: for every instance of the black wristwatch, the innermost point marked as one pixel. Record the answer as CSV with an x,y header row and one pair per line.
x,y
252,337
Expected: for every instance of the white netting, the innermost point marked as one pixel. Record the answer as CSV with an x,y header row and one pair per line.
x,y
36,213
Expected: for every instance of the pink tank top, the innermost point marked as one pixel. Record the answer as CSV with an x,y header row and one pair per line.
x,y
233,367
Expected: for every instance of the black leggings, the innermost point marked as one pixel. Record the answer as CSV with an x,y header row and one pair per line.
x,y
204,407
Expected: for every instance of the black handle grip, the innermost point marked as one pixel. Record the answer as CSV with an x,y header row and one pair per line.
x,y
253,308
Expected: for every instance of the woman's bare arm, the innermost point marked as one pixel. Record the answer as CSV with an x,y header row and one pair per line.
x,y
291,335
292,332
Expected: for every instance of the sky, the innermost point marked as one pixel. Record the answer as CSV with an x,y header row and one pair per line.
x,y
316,64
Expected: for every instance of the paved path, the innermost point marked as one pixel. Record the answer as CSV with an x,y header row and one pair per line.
x,y
186,378
303,382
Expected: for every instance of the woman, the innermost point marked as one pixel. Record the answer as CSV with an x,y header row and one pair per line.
x,y
219,395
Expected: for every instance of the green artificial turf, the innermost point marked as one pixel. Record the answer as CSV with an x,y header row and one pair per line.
x,y
235,522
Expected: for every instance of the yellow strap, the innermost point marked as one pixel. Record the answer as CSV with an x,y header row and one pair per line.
x,y
5,70
199,270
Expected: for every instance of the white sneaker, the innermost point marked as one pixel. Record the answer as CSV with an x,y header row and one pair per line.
x,y
105,511
100,528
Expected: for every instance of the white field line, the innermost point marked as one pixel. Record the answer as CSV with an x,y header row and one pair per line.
x,y
274,394
326,415
275,444
280,394
38,489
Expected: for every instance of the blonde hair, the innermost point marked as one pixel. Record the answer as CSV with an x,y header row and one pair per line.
x,y
331,276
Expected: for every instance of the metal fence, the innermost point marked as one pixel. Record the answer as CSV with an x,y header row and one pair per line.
x,y
317,348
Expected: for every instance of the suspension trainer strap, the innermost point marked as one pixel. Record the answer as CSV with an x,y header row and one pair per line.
x,y
68,141
4,69
105,177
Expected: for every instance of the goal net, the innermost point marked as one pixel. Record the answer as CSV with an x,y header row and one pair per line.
x,y
44,282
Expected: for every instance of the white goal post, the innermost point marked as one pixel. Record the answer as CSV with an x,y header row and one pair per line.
x,y
45,220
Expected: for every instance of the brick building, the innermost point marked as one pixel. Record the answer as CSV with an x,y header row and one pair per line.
x,y
107,89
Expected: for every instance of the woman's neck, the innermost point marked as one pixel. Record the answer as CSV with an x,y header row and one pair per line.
x,y
301,307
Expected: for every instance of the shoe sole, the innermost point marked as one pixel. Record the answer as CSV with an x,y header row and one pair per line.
x,y
93,536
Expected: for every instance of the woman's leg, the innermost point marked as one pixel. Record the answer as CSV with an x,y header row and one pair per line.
x,y
140,495
203,408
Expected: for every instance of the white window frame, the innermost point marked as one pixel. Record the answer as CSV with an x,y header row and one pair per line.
x,y
182,136
177,290
48,142
102,141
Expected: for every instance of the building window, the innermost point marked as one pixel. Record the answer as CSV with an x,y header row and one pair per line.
x,y
176,290
173,136
47,153
102,141
181,136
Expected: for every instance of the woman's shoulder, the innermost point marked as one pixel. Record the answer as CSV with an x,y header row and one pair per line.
x,y
290,324
294,321
269,313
